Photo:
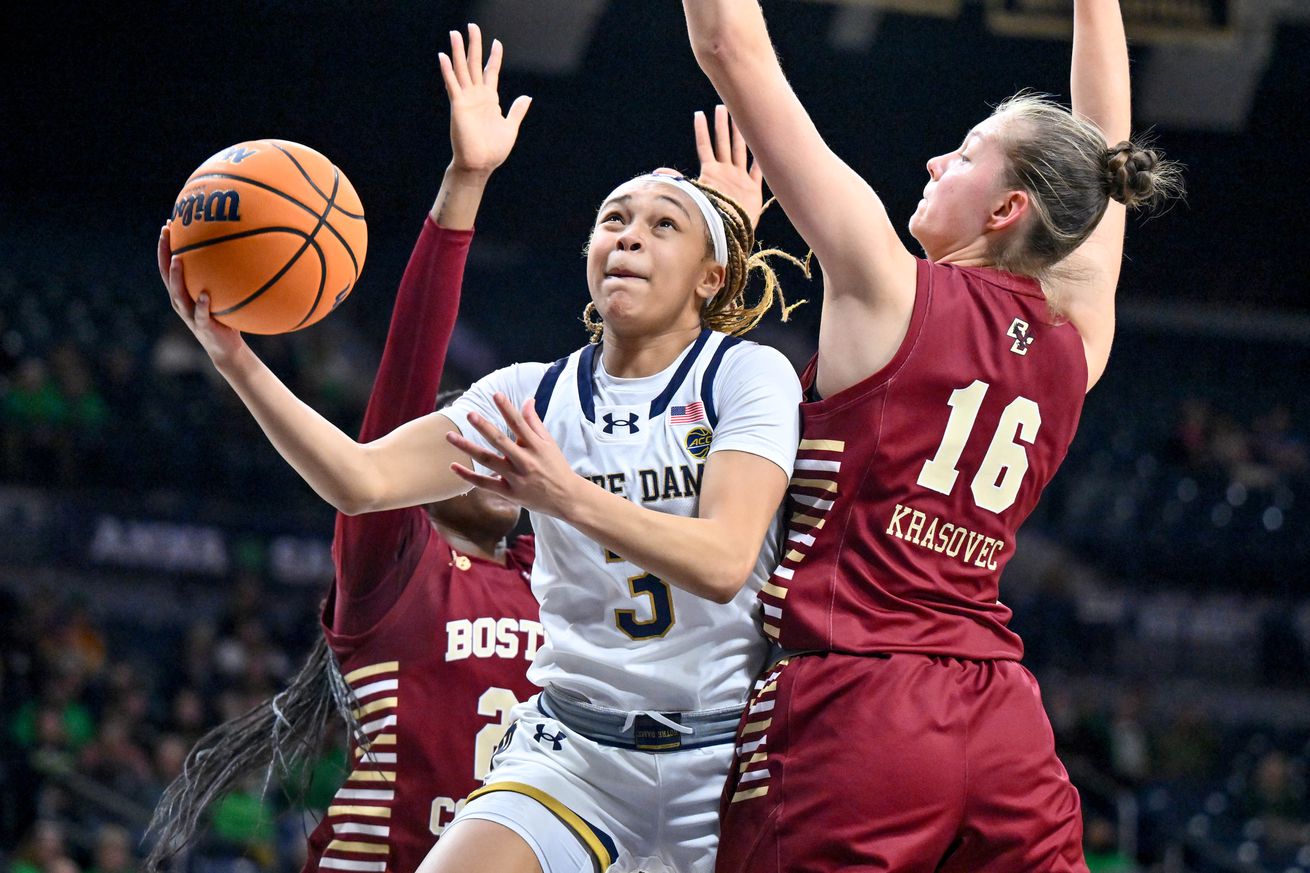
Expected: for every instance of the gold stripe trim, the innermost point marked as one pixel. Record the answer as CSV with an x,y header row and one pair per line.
x,y
776,590
749,793
574,821
823,445
374,811
807,519
348,846
793,555
761,725
773,631
754,759
380,740
371,670
380,703
371,776
772,686
819,484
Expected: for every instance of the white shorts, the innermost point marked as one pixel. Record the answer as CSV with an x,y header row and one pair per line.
x,y
656,812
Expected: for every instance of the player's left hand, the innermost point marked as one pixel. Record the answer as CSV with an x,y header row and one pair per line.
x,y
480,136
224,344
530,468
724,163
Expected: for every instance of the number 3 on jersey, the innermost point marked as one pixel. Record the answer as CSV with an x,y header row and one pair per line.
x,y
996,484
661,605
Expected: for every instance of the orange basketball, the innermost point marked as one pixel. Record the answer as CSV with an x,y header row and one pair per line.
x,y
273,231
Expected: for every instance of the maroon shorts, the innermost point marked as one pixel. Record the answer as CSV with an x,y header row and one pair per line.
x,y
903,763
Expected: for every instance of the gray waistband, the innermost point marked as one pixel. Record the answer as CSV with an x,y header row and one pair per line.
x,y
642,731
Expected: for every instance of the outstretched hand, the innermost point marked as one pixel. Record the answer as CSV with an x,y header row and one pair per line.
x,y
529,467
480,136
220,341
724,163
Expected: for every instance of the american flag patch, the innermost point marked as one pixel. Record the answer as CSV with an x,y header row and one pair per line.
x,y
689,414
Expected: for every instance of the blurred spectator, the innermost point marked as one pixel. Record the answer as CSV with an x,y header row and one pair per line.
x,y
1130,754
1189,747
246,658
1275,798
41,850
57,720
31,411
113,852
1275,444
177,355
116,762
244,821
1101,846
187,715
77,636
1189,444
169,756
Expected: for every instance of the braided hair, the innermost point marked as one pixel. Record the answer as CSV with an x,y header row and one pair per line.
x,y
272,736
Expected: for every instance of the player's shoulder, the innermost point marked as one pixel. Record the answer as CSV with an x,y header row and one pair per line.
x,y
515,379
748,361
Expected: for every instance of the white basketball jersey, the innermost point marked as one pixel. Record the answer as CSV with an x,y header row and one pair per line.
x,y
615,634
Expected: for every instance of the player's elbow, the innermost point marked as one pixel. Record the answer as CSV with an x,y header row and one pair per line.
x,y
719,51
357,489
726,46
727,582
352,501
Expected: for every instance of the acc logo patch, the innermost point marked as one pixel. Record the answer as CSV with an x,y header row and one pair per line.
x,y
698,441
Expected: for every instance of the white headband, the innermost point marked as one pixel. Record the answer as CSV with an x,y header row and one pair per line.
x,y
713,220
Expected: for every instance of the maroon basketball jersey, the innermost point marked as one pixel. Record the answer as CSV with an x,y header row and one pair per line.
x,y
435,681
910,485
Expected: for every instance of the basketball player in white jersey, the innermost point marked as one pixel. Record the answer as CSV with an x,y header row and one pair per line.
x,y
653,462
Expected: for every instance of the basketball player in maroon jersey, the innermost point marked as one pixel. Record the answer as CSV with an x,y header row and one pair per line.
x,y
431,620
902,733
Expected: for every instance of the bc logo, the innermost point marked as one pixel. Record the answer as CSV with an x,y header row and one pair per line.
x,y
698,441
1022,338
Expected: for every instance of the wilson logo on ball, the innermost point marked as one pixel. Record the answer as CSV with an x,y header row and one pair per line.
x,y
273,232
212,206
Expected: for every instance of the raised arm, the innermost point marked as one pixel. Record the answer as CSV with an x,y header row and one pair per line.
x,y
1101,94
869,275
410,465
427,302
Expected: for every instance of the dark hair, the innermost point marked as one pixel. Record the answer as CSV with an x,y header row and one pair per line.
x,y
447,396
271,737
727,311
1061,160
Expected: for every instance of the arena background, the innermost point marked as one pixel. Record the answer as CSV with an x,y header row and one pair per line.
x,y
160,566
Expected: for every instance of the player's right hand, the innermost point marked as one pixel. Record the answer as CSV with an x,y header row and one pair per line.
x,y
725,163
480,137
222,343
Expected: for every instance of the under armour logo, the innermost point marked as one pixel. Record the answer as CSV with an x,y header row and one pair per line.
x,y
556,740
1022,338
630,423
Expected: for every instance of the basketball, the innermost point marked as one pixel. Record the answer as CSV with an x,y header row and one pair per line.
x,y
273,231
